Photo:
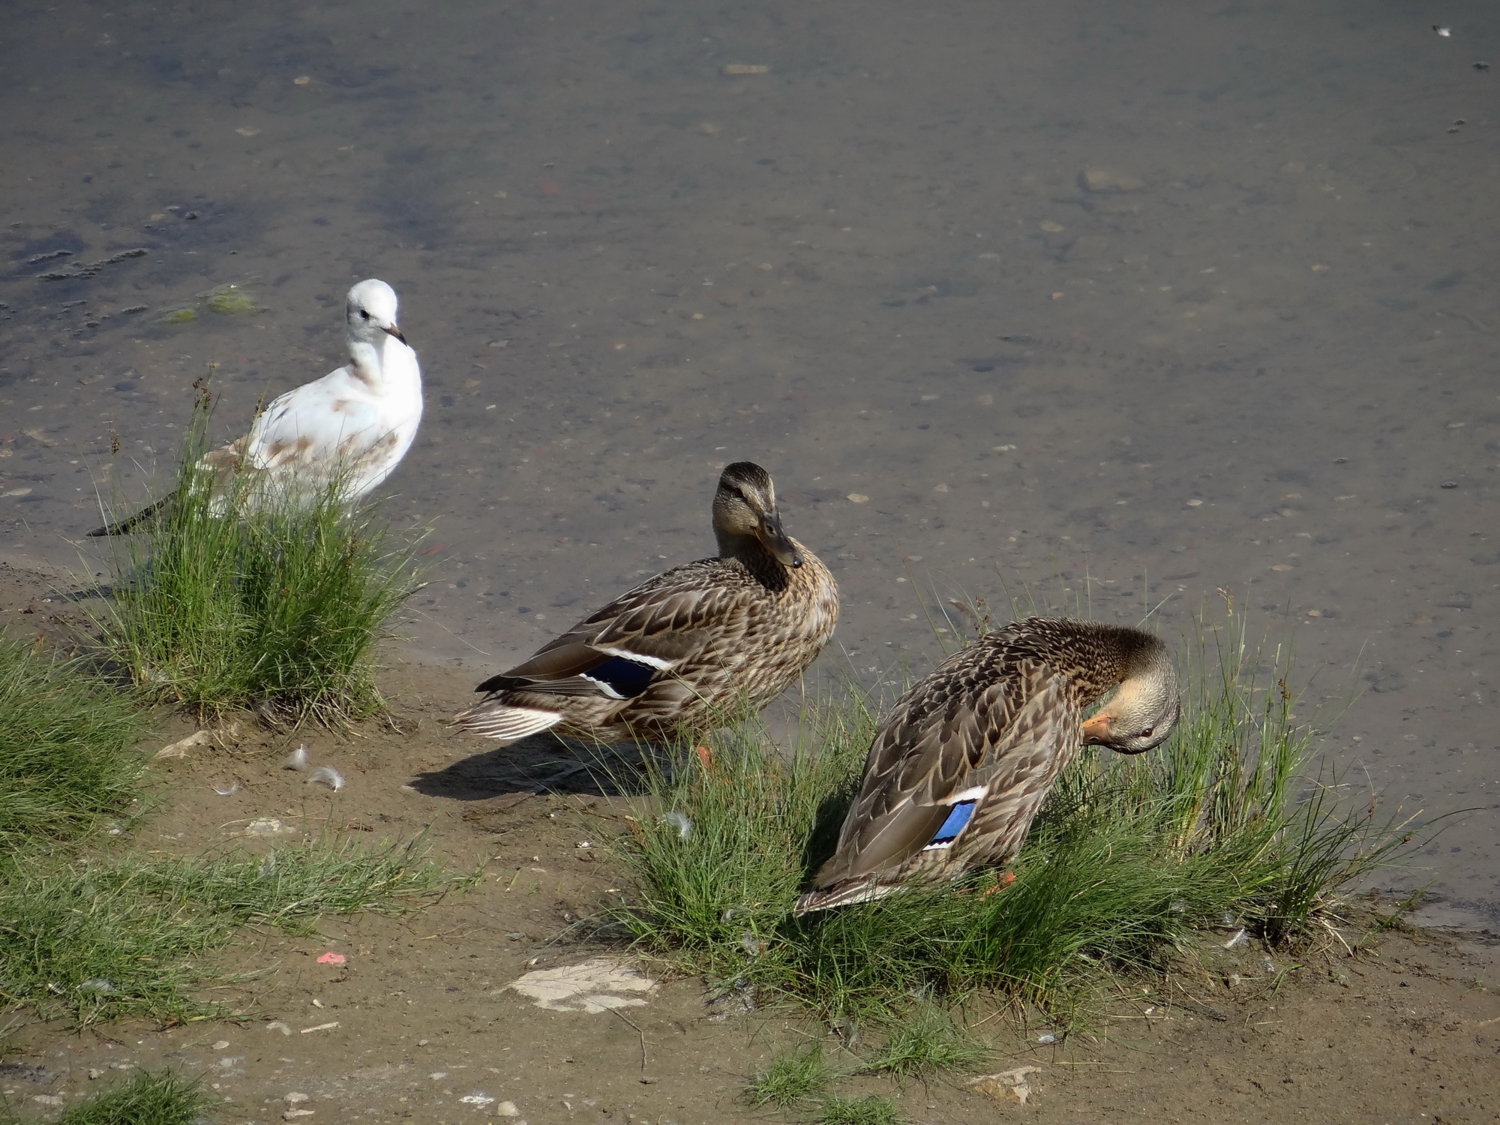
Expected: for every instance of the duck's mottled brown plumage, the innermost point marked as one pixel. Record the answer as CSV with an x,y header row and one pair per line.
x,y
692,642
994,724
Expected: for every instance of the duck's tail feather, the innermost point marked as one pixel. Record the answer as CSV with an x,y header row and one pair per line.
x,y
130,523
493,719
843,893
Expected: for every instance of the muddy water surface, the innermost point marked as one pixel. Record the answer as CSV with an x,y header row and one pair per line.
x,y
1161,300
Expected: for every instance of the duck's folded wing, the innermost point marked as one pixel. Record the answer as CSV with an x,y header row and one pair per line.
x,y
625,647
935,767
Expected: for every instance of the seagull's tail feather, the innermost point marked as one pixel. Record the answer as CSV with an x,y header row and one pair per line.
x,y
127,525
494,719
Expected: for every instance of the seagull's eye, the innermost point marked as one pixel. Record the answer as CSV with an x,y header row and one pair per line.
x,y
363,315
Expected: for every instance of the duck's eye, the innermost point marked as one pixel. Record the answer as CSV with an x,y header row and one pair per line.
x,y
363,315
1147,732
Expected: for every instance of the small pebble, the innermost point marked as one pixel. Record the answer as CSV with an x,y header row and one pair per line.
x,y
1195,503
1449,484
221,1044
507,1109
857,498
295,1098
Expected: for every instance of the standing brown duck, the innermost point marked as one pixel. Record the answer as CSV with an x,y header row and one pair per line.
x,y
692,643
963,763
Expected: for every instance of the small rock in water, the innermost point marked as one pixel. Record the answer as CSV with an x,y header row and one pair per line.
x,y
1105,180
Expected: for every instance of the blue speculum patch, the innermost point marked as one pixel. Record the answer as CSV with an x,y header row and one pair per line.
x,y
957,818
627,677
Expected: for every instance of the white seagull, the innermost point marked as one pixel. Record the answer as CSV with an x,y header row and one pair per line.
x,y
353,425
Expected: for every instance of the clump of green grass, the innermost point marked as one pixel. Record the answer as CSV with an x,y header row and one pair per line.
x,y
927,1040
233,596
790,1079
292,887
872,1110
1130,859
723,852
134,936
66,754
147,1097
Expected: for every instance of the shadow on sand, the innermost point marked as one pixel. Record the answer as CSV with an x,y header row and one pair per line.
x,y
544,763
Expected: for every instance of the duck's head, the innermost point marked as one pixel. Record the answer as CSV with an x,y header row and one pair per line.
x,y
1145,708
745,508
372,311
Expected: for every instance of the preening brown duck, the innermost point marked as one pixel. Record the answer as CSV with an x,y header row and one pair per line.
x,y
692,643
959,769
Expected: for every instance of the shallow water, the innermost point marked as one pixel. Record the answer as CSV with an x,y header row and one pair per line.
x,y
897,264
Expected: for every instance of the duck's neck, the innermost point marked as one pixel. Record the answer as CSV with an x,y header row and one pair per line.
x,y
749,553
1101,657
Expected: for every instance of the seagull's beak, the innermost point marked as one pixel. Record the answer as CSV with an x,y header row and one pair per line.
x,y
396,332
